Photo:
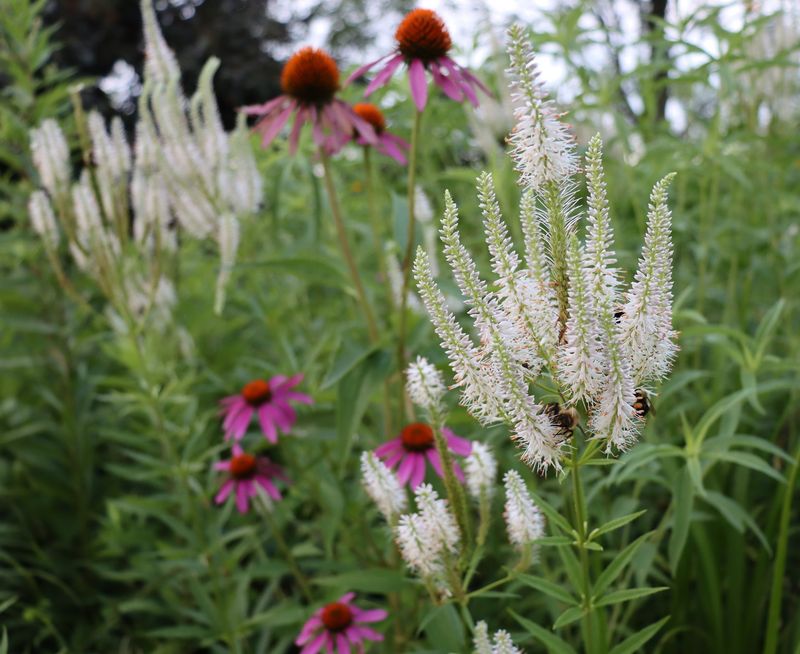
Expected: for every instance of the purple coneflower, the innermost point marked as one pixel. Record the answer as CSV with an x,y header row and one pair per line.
x,y
339,627
423,43
413,446
246,474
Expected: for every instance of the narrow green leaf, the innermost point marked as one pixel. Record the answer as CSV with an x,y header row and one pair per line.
x,y
569,616
682,501
747,460
553,643
633,644
616,523
614,569
547,587
736,516
627,595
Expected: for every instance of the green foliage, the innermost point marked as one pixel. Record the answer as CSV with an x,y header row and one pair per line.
x,y
111,542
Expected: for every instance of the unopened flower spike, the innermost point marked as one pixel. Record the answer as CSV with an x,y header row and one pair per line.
x,y
480,470
423,44
425,386
524,520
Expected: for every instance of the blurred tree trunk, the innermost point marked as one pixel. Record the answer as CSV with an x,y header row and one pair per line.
x,y
653,29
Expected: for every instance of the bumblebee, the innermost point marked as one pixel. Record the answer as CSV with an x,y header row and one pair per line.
x,y
618,314
642,405
564,418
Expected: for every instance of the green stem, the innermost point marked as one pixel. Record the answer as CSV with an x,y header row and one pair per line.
x,y
347,253
455,492
773,617
302,582
411,196
375,219
580,518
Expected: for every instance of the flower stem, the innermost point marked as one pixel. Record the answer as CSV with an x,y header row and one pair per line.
x,y
773,617
591,643
347,253
411,197
377,226
455,492
280,541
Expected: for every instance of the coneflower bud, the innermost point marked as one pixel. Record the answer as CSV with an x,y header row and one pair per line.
x,y
43,219
524,521
480,469
382,486
425,386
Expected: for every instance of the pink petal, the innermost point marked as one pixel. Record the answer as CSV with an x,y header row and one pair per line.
x,y
383,76
261,109
391,150
358,72
232,410
241,498
330,644
300,119
418,83
436,461
394,459
446,84
315,645
458,472
460,446
289,414
222,465
455,73
388,447
276,417
418,476
366,632
269,127
224,491
470,77
346,598
371,615
311,625
267,424
239,426
267,485
342,645
406,468
299,397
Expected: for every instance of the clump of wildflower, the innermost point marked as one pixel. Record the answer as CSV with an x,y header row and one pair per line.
x,y
310,81
556,310
524,520
428,538
248,475
415,445
339,626
382,486
423,43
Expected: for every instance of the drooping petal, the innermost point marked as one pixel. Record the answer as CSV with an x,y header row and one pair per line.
x,y
406,468
241,498
460,446
445,82
307,632
436,461
394,459
315,645
300,119
342,645
267,424
418,84
224,491
269,127
239,425
299,397
418,474
370,615
389,447
383,76
358,72
269,487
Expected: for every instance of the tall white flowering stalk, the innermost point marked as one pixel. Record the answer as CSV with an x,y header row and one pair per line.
x,y
183,172
425,386
382,486
557,315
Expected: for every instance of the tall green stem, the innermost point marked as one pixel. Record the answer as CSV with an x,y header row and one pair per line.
x,y
773,617
411,196
377,225
591,643
347,253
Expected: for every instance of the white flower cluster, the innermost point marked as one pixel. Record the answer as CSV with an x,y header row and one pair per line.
x,y
480,470
425,386
184,170
524,520
428,536
559,309
502,641
382,486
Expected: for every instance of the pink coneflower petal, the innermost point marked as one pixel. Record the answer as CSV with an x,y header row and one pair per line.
x,y
407,468
267,424
232,410
460,446
238,426
455,72
315,645
458,472
222,465
300,119
347,598
436,461
270,127
288,413
358,72
383,76
387,147
260,109
299,397
367,633
471,78
418,84
389,446
226,489
370,615
342,645
447,85
267,485
241,498
418,475
306,633
394,459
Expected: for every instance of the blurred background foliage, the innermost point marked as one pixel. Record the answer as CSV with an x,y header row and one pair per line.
x,y
108,538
